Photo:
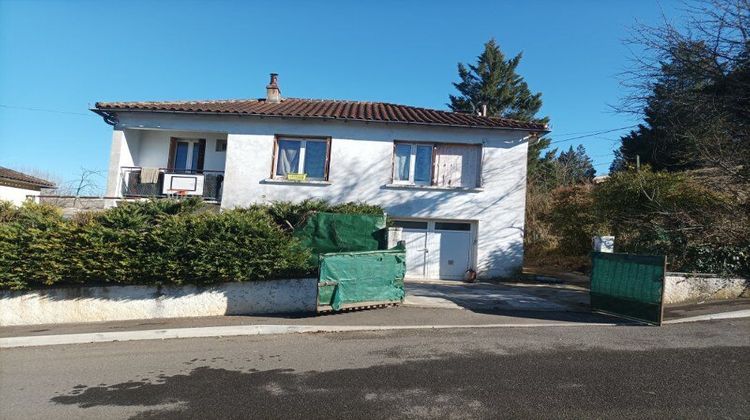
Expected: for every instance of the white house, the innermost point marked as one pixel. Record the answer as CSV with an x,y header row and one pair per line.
x,y
16,186
454,182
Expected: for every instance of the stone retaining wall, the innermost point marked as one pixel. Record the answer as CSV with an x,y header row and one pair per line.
x,y
116,303
693,288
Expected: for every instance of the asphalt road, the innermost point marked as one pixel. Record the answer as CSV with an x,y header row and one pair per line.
x,y
695,370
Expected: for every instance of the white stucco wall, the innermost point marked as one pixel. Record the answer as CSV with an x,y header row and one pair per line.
x,y
15,195
92,304
154,148
689,288
360,170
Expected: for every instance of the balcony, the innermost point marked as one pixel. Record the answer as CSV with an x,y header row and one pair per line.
x,y
137,183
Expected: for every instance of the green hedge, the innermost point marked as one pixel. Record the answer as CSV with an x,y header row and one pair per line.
x,y
154,242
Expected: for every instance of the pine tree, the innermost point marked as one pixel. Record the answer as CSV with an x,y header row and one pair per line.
x,y
575,166
494,83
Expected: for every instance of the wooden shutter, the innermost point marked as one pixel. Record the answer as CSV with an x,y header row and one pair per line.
x,y
457,165
201,154
172,151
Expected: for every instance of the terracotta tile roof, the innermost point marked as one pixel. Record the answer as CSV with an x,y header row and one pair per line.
x,y
9,175
327,109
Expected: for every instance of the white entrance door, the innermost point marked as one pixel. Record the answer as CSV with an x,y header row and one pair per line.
x,y
437,250
415,236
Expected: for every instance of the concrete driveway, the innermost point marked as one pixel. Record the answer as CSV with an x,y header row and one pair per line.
x,y
493,298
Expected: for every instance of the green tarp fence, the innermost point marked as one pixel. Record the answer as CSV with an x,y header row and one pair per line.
x,y
629,285
333,232
368,277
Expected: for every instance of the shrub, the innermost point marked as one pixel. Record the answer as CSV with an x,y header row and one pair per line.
x,y
289,216
697,226
673,214
154,242
574,220
33,239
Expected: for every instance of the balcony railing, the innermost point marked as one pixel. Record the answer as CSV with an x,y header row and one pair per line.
x,y
135,186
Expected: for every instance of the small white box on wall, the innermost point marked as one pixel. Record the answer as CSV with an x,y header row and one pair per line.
x,y
604,244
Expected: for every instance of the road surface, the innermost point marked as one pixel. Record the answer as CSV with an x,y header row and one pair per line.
x,y
695,370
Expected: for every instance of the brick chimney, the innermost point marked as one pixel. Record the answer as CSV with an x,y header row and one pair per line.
x,y
273,93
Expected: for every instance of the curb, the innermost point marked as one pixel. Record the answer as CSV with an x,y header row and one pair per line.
x,y
745,313
247,330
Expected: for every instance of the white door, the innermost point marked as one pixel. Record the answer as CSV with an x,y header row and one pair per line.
x,y
450,249
415,236
437,250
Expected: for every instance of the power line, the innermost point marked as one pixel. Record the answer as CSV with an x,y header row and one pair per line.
x,y
54,111
594,134
592,131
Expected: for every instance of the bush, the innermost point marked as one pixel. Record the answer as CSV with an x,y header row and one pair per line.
x,y
697,226
288,215
33,239
154,242
667,214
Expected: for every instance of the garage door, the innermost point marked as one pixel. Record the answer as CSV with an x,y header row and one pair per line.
x,y
437,249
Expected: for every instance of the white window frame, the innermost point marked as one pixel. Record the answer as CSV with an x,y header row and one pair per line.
x,y
412,163
302,149
192,149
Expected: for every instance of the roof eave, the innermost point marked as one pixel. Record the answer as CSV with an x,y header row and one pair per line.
x,y
110,118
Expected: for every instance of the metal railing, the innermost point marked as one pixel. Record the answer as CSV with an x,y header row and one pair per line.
x,y
133,187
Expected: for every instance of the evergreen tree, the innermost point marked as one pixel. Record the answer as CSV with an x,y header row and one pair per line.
x,y
575,166
692,86
494,83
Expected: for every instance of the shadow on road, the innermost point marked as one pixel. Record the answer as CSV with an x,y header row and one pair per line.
x,y
570,383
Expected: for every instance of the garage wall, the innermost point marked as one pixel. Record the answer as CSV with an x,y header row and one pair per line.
x,y
360,170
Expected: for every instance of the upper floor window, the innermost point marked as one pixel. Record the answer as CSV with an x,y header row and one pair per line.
x,y
443,165
413,163
307,156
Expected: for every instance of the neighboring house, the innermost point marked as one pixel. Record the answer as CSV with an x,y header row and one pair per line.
x,y
455,183
16,187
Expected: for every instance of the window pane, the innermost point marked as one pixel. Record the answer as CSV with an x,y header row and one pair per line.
x,y
452,226
410,224
288,160
423,164
315,159
180,156
401,164
196,156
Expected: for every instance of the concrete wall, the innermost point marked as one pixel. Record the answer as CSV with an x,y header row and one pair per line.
x,y
360,170
15,195
692,288
91,304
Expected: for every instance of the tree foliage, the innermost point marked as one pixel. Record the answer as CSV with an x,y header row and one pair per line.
x,y
692,85
494,83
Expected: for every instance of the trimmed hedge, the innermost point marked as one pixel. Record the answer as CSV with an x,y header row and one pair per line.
x,y
155,242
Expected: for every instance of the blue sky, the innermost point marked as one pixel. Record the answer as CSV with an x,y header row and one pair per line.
x,y
62,56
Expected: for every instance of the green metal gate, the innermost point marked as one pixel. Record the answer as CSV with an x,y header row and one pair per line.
x,y
629,285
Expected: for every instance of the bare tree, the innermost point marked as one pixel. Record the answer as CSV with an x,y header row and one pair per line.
x,y
692,85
